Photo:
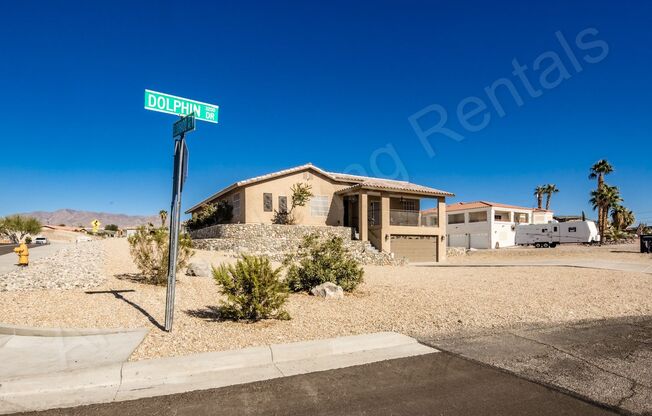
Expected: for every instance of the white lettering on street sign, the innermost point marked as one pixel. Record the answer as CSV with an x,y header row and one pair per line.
x,y
171,104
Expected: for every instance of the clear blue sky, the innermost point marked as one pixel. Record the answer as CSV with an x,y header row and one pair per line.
x,y
330,84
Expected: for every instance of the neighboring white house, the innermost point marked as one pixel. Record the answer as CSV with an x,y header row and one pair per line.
x,y
483,224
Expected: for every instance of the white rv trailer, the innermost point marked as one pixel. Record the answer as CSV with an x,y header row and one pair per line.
x,y
553,233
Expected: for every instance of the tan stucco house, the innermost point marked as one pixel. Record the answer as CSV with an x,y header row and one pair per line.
x,y
387,213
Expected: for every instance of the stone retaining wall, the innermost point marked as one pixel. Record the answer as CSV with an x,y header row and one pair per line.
x,y
275,240
273,231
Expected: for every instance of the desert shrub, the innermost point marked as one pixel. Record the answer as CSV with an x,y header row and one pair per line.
x,y
149,249
211,214
28,240
253,290
616,235
111,227
317,261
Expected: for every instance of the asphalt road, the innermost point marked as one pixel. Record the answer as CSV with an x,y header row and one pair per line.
x,y
607,361
9,248
433,384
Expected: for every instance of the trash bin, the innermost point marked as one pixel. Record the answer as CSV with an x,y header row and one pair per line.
x,y
646,243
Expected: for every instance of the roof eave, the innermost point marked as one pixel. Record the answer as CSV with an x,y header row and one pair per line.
x,y
389,189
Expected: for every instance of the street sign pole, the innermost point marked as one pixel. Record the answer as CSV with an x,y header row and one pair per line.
x,y
188,110
179,177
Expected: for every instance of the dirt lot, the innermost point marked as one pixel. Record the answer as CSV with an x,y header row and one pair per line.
x,y
620,253
418,301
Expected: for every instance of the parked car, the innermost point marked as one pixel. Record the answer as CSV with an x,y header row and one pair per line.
x,y
41,240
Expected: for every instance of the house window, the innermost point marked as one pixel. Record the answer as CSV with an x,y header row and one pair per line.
x,y
374,213
319,206
267,202
478,216
409,204
283,204
236,205
520,218
456,218
572,229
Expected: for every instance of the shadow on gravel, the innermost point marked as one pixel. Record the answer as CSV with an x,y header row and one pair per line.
x,y
118,295
131,277
210,313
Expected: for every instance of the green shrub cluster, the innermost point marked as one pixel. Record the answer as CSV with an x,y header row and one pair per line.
x,y
253,290
211,214
322,260
149,249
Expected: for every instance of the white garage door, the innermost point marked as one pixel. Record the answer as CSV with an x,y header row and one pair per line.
x,y
479,240
458,240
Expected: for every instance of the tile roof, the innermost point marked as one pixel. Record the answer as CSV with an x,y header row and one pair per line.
x,y
461,206
357,181
400,186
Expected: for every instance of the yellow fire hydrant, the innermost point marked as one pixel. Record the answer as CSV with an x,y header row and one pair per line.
x,y
23,254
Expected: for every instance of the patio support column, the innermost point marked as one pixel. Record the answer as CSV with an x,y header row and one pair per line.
x,y
442,220
384,223
363,211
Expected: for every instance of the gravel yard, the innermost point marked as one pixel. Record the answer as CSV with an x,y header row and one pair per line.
x,y
70,266
418,301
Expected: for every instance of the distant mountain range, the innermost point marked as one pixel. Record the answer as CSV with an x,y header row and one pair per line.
x,y
74,218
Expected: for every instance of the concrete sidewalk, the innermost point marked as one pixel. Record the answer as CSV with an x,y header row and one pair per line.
x,y
28,352
149,378
581,263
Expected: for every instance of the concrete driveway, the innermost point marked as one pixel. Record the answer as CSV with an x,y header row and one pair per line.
x,y
608,361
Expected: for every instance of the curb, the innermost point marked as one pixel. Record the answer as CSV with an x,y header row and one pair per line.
x,y
163,376
27,331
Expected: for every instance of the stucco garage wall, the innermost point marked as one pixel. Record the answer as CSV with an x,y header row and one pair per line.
x,y
476,234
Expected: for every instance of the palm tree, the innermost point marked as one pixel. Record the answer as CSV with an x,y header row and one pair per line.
x,y
164,216
598,171
603,199
549,190
538,192
622,217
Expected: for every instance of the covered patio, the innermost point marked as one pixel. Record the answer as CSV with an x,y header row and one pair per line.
x,y
390,217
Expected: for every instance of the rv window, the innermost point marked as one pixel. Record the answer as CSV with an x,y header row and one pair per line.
x,y
554,229
544,230
572,229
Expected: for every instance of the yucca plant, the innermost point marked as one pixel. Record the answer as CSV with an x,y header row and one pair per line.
x,y
149,250
253,290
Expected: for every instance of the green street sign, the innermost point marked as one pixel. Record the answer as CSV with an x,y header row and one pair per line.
x,y
184,125
171,104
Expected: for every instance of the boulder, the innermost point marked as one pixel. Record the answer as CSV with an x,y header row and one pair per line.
x,y
199,268
328,290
